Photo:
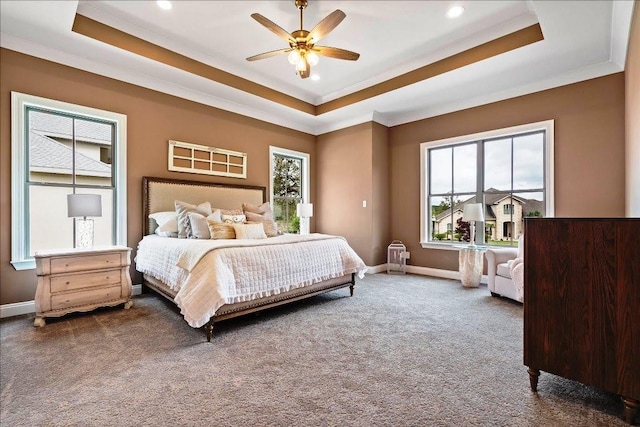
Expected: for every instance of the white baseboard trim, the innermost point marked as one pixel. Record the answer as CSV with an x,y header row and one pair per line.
x,y
29,307
17,309
425,271
377,269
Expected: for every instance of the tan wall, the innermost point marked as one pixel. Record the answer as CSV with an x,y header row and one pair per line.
x,y
589,154
153,119
632,119
344,175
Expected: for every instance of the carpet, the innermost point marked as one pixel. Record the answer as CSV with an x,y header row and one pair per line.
x,y
403,351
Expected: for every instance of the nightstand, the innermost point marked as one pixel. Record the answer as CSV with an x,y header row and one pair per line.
x,y
81,280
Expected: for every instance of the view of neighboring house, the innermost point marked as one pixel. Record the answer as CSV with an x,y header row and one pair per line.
x,y
504,216
57,166
51,149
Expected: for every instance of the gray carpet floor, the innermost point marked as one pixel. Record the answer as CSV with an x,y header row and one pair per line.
x,y
403,351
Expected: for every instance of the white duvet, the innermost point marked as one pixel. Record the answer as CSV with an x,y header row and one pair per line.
x,y
210,273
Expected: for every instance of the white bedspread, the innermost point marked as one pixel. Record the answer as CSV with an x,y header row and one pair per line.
x,y
210,273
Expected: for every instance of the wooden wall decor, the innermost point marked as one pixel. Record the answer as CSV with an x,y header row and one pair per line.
x,y
202,159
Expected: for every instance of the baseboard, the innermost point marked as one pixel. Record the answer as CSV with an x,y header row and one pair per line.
x,y
29,307
377,269
17,309
425,271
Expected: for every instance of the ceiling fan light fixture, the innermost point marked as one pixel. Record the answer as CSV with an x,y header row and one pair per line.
x,y
294,57
303,52
312,59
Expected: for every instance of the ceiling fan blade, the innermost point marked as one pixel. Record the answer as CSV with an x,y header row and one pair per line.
x,y
269,54
277,30
325,26
334,52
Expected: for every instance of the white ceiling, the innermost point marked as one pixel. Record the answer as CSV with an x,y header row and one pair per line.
x,y
582,40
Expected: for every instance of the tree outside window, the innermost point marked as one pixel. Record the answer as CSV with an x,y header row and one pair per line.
x,y
289,186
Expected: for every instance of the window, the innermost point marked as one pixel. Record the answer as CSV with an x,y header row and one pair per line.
x,y
509,171
59,149
289,186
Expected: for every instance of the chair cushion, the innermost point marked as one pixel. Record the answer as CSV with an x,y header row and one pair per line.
x,y
503,270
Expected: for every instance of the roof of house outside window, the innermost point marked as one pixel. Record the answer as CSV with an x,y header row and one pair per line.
x,y
57,126
49,156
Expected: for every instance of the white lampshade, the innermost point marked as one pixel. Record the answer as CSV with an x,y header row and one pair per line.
x,y
305,210
473,212
84,205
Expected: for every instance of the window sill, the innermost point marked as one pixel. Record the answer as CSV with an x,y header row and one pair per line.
x,y
434,245
27,264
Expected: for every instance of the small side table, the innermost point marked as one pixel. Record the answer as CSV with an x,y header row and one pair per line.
x,y
470,260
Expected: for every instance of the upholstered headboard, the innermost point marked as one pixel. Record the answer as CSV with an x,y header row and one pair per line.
x,y
160,194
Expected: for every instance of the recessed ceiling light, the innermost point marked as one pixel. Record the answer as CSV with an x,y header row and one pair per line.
x,y
164,4
455,11
315,77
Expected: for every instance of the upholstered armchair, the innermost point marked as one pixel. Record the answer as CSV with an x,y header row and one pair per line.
x,y
505,271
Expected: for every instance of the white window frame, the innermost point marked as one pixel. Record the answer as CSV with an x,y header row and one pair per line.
x,y
19,217
547,126
306,169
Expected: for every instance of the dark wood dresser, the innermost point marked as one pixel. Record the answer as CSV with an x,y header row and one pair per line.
x,y
582,303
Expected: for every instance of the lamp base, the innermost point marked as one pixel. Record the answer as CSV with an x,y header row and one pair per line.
x,y
472,233
84,233
304,225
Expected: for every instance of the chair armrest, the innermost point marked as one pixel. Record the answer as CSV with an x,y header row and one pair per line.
x,y
497,256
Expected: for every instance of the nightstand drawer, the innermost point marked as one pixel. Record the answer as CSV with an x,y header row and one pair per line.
x,y
82,263
85,280
73,299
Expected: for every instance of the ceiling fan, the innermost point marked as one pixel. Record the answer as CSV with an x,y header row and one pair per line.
x,y
302,50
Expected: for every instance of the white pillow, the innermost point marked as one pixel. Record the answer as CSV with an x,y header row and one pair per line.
x,y
167,223
199,224
249,231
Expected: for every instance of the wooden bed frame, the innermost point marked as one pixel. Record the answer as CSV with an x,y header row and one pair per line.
x,y
159,195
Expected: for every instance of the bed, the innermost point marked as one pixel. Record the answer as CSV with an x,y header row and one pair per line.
x,y
211,280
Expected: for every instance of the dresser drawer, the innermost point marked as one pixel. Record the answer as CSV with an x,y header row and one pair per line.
x,y
85,280
86,262
90,296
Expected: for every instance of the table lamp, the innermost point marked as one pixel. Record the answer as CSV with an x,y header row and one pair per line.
x,y
472,212
80,206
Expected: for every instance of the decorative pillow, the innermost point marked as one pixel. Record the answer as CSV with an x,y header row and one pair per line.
x,y
183,209
263,210
270,226
229,211
221,230
234,219
199,226
249,231
167,223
